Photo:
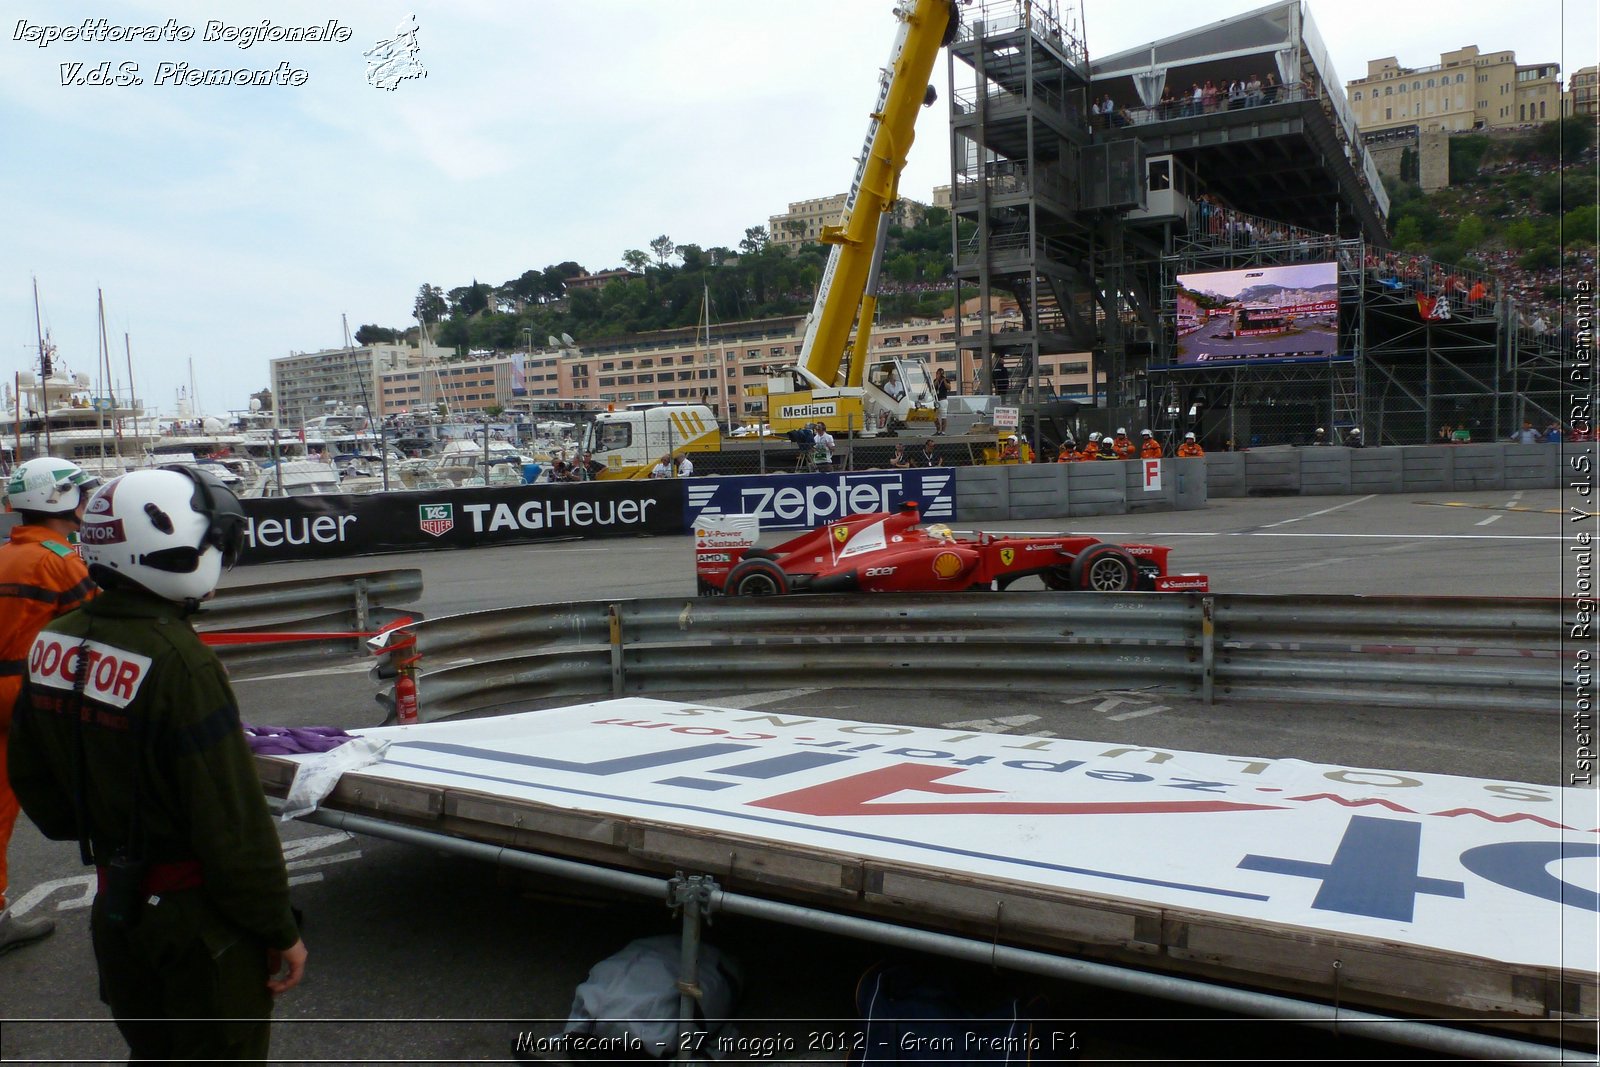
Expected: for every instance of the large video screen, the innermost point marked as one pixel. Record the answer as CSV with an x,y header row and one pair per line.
x,y
1229,316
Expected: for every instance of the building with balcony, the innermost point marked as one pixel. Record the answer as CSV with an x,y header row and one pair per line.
x,y
308,384
1465,90
803,222
1583,93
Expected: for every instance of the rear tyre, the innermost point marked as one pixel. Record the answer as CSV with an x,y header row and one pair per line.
x,y
757,577
1104,569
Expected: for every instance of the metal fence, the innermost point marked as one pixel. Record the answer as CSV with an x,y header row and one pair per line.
x,y
273,624
1436,653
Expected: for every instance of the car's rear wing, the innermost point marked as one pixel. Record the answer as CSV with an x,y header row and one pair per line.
x,y
720,542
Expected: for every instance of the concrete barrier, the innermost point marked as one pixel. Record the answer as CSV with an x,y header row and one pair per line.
x,y
1098,488
982,494
1337,471
1272,471
1478,467
1192,488
1224,473
1427,468
1538,466
1325,471
1375,470
1037,490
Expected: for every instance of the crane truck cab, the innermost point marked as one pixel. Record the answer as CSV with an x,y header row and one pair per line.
x,y
895,392
630,441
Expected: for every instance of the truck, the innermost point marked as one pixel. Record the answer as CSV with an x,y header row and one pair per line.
x,y
628,442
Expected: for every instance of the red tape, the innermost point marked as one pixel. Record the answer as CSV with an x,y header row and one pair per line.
x,y
242,637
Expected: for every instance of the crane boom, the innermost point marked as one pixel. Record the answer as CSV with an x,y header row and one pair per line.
x,y
925,27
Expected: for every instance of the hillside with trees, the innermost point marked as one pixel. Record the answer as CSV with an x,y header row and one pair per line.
x,y
671,281
1520,206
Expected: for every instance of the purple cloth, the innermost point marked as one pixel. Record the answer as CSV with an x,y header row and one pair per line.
x,y
293,740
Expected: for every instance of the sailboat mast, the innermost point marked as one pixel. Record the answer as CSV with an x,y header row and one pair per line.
x,y
133,403
104,370
44,373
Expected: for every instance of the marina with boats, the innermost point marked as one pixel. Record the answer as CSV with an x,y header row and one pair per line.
x,y
343,451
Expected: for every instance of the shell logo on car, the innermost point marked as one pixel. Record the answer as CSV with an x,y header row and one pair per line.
x,y
946,565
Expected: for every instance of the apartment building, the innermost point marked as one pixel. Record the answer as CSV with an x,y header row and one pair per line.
x,y
680,366
1583,93
1465,90
482,380
308,384
803,222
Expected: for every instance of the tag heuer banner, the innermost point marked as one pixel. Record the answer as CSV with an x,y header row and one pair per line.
x,y
327,527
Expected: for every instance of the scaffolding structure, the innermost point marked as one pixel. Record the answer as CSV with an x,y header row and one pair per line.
x,y
1083,190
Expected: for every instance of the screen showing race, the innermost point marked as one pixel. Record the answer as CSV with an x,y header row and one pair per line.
x,y
1282,313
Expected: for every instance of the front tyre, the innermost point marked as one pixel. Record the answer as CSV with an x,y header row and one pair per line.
x,y
1104,569
757,577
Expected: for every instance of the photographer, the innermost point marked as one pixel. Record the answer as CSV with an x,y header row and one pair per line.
x,y
805,440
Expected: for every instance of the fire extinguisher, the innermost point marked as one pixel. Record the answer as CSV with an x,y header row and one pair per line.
x,y
405,693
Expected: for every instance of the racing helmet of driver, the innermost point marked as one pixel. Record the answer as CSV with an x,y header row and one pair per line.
x,y
48,486
170,531
940,532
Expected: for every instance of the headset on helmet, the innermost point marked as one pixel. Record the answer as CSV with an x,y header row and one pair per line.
x,y
48,486
172,531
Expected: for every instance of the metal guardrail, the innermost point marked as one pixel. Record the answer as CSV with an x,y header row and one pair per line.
x,y
1446,652
306,618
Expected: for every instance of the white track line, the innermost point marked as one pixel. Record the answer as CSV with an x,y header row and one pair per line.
x,y
1324,511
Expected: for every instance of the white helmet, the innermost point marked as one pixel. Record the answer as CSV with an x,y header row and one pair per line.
x,y
1121,432
171,531
1189,436
1094,437
48,486
1145,433
1355,431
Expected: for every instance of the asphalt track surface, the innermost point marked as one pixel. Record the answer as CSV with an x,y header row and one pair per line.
x,y
424,957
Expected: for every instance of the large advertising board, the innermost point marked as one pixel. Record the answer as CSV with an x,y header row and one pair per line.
x,y
1488,869
1260,313
805,501
332,526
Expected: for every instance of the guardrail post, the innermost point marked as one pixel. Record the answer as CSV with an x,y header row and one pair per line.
x,y
614,622
363,609
1208,649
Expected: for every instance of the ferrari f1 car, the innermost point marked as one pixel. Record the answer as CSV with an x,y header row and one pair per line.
x,y
893,552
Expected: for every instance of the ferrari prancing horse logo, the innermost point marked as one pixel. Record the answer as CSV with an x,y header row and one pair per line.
x,y
1006,556
841,534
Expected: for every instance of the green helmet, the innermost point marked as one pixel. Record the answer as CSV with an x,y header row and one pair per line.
x,y
49,486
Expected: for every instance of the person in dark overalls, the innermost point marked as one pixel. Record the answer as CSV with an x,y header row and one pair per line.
x,y
127,739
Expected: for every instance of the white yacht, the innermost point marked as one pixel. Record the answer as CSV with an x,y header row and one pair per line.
x,y
63,416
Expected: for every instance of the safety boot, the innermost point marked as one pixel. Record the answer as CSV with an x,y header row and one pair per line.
x,y
16,932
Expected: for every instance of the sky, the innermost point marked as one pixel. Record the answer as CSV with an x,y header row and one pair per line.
x,y
227,225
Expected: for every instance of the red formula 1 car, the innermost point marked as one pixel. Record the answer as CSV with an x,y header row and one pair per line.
x,y
893,552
